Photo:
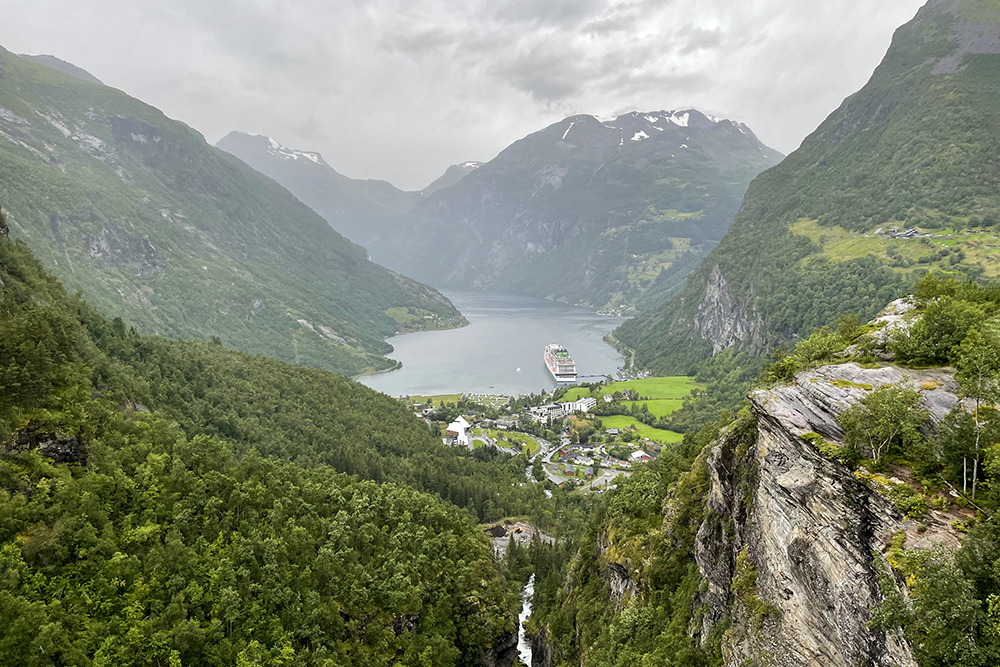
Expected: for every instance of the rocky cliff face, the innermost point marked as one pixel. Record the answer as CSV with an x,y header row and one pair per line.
x,y
503,652
791,545
722,319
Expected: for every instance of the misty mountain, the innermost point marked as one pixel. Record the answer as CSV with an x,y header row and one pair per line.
x,y
358,209
450,177
596,212
829,229
176,237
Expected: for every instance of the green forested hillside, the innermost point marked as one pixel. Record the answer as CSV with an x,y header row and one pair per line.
x,y
917,147
172,503
178,238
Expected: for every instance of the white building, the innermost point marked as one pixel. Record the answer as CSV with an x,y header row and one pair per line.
x,y
461,431
581,405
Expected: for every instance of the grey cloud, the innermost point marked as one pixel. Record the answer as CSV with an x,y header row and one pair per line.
x,y
618,20
399,89
545,72
421,41
700,38
547,12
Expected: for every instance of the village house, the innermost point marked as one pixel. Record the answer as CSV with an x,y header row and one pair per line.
x,y
461,432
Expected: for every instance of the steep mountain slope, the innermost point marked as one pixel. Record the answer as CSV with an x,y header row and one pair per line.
x,y
358,209
176,237
450,177
586,211
826,231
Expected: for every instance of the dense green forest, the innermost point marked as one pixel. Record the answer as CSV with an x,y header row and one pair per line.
x,y
299,414
167,503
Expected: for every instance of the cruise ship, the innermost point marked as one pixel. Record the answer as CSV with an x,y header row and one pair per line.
x,y
559,363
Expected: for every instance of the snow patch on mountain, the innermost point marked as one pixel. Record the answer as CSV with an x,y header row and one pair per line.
x,y
285,153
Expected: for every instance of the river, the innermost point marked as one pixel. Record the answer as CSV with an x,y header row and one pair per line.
x,y
523,647
501,349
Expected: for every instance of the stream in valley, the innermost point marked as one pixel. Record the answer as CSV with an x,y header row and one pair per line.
x,y
523,647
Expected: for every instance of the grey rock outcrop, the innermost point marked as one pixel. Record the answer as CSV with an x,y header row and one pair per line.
x,y
543,653
808,527
811,532
59,448
723,320
818,397
502,653
620,585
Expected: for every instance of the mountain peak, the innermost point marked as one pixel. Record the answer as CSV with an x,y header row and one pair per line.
x,y
273,147
451,176
635,126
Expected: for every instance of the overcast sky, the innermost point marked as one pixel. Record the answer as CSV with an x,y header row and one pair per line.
x,y
400,89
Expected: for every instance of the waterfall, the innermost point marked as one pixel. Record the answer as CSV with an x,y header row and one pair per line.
x,y
523,648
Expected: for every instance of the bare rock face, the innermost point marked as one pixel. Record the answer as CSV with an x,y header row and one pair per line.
x,y
503,652
543,653
818,397
61,449
790,542
722,319
620,585
115,246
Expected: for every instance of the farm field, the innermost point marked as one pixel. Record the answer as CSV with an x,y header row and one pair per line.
x,y
644,431
673,388
438,399
526,440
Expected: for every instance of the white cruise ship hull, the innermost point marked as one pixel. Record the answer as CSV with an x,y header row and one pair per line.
x,y
560,377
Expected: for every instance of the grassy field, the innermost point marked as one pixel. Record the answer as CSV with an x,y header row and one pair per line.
x,y
662,395
655,389
981,246
654,434
439,399
526,440
528,444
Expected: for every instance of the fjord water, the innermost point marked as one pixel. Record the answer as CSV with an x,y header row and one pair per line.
x,y
505,333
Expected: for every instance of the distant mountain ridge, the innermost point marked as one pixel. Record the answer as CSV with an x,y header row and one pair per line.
x,y
824,232
173,236
452,175
357,208
602,213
